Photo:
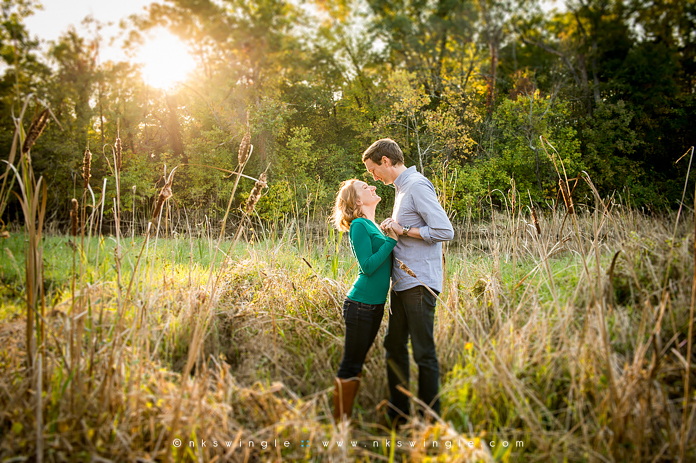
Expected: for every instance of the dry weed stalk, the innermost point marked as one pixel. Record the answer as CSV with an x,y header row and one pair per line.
x,y
165,194
118,151
74,206
87,167
567,198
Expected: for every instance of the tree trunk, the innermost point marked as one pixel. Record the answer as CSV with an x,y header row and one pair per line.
x,y
595,77
490,97
582,67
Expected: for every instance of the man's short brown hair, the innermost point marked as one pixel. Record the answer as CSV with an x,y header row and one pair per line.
x,y
384,147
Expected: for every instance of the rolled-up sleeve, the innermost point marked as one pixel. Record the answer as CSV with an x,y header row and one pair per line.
x,y
438,226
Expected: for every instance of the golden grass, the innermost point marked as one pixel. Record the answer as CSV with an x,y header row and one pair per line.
x,y
538,370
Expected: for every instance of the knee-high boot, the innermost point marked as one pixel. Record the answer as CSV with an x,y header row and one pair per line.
x,y
345,391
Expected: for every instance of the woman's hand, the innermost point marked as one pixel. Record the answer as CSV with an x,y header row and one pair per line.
x,y
389,231
393,224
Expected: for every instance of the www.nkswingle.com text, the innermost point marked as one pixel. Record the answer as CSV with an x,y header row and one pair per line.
x,y
401,444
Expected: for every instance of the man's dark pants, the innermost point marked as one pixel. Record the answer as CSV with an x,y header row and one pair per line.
x,y
412,314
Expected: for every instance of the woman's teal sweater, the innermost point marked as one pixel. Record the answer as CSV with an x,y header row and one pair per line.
x,y
374,253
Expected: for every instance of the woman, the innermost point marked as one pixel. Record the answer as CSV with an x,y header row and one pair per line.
x,y
363,308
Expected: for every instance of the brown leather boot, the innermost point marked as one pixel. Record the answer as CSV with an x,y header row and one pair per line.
x,y
345,391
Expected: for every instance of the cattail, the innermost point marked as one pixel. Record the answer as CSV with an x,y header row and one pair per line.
x,y
165,194
118,154
567,199
536,220
87,167
244,148
37,125
73,216
256,193
405,268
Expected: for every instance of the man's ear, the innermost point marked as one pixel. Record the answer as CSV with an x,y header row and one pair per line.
x,y
386,161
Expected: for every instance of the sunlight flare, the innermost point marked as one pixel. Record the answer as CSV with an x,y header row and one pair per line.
x,y
165,60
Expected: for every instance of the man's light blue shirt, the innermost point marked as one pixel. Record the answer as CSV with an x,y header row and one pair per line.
x,y
416,205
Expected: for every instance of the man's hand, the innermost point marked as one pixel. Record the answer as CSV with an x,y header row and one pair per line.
x,y
391,224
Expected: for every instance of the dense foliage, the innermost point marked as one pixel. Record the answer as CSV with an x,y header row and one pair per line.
x,y
466,87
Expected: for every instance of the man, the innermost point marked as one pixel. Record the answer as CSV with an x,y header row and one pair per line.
x,y
422,226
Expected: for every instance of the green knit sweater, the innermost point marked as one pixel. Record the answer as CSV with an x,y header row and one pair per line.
x,y
374,253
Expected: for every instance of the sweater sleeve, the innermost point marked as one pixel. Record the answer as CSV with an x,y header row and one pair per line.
x,y
361,242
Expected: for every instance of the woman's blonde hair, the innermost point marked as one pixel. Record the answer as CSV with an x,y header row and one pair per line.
x,y
346,208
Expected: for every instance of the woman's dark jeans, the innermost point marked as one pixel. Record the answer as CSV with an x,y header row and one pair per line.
x,y
362,324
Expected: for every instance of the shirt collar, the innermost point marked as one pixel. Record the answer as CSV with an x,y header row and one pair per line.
x,y
401,179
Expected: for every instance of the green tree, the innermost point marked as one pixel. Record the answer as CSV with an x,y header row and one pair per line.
x,y
517,150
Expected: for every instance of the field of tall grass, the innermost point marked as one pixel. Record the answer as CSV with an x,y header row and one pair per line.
x,y
562,336
572,339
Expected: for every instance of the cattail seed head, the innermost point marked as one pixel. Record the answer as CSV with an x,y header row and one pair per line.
x,y
87,167
406,269
118,153
256,193
165,194
37,125
244,148
73,216
536,220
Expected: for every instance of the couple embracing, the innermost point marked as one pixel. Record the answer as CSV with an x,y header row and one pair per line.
x,y
414,235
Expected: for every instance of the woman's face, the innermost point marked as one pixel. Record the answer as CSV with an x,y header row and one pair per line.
x,y
366,194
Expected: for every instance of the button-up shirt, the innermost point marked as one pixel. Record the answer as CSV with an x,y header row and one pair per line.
x,y
416,205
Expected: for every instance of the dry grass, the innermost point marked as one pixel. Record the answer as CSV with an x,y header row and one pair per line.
x,y
581,356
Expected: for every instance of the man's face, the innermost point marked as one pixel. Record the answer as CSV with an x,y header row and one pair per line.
x,y
380,172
